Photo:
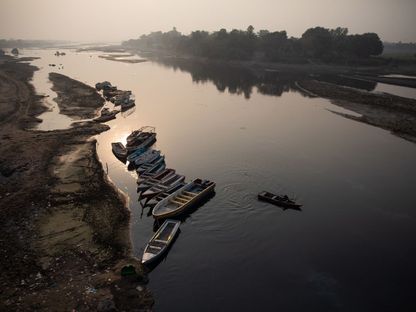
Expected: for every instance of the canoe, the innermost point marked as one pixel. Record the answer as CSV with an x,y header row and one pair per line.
x,y
151,202
182,199
161,187
160,242
281,201
151,167
146,157
119,150
144,140
139,151
161,177
136,133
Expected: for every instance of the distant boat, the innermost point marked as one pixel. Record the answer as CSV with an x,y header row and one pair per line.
x,y
128,105
106,115
281,201
161,187
160,242
179,201
119,150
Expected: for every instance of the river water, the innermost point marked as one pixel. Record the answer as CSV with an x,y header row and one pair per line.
x,y
351,248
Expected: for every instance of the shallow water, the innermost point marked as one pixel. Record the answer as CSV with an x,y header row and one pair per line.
x,y
350,248
396,90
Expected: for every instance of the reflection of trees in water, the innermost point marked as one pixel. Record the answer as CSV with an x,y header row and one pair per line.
x,y
241,81
236,80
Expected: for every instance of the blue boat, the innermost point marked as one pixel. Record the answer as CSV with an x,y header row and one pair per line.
x,y
137,153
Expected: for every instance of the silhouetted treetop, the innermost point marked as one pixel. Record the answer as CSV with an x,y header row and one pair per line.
x,y
316,43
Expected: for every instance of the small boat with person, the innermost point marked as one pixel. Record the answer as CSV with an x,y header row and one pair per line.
x,y
160,241
282,201
182,199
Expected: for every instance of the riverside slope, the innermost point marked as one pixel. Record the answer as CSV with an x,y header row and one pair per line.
x,y
63,227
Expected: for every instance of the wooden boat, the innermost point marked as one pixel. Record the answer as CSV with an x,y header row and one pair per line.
x,y
161,177
106,115
159,243
140,138
119,150
161,187
136,133
179,201
147,157
150,167
151,202
281,201
125,106
139,151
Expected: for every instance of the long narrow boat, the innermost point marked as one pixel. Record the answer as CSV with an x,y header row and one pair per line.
x,y
146,157
119,150
145,136
161,187
161,177
150,167
146,140
139,151
160,242
158,198
182,199
281,201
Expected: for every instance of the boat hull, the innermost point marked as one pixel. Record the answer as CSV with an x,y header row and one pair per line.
x,y
200,196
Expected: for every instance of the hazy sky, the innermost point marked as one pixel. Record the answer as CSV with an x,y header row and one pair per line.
x,y
115,20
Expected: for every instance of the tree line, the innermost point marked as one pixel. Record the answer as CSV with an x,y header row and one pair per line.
x,y
316,43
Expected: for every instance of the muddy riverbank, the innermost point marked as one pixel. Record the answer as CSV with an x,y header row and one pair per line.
x,y
64,228
390,112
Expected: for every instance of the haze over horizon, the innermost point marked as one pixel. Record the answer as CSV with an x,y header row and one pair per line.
x,y
111,21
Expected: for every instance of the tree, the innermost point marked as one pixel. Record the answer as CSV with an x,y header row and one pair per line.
x,y
317,41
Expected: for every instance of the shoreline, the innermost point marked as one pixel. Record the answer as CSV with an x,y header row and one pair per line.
x,y
64,226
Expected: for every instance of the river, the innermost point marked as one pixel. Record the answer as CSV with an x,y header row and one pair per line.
x,y
352,247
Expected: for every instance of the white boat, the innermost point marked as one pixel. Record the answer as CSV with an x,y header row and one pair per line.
x,y
160,242
183,198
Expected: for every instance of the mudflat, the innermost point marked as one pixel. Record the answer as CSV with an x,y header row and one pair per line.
x,y
64,229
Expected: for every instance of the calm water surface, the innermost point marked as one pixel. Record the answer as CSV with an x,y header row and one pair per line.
x,y
351,248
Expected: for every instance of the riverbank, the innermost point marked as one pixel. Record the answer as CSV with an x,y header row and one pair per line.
x,y
64,228
390,112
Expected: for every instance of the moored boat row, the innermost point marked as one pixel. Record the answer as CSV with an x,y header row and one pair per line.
x,y
161,189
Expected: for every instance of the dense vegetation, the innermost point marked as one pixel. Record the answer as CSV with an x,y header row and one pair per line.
x,y
13,43
317,43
